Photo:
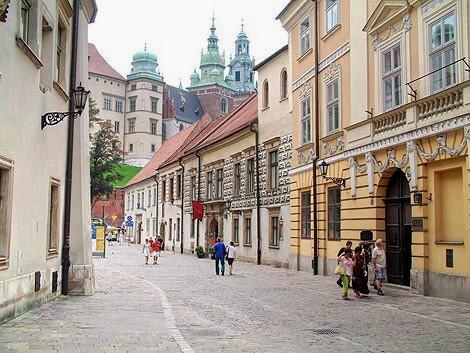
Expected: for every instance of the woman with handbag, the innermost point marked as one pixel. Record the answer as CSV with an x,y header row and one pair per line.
x,y
345,270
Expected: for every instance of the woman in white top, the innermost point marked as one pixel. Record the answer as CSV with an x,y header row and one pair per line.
x,y
146,251
231,253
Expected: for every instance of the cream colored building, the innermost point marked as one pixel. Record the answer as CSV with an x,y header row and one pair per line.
x,y
393,122
35,63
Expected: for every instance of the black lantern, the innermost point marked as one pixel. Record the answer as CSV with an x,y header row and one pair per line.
x,y
324,172
79,99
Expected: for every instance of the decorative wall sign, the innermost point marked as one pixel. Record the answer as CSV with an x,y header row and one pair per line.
x,y
417,224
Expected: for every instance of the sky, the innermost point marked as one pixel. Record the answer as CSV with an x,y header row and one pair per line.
x,y
177,30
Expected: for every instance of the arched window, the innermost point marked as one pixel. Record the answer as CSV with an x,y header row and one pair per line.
x,y
223,105
265,94
181,126
284,84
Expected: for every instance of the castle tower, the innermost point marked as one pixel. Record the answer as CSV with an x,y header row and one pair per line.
x,y
241,66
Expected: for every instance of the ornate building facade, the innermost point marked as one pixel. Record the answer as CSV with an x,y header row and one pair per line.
x,y
393,133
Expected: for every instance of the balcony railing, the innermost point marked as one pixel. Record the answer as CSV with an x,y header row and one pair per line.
x,y
389,121
440,103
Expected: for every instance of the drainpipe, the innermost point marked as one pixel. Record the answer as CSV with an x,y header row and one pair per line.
x,y
182,204
254,129
155,178
317,148
198,191
69,161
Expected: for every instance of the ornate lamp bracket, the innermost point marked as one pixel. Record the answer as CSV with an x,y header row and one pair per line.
x,y
54,118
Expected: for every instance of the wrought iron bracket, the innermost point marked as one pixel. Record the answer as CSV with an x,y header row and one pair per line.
x,y
337,181
54,118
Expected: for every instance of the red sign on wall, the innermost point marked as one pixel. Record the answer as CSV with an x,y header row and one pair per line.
x,y
198,210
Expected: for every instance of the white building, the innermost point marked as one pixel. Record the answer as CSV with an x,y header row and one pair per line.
x,y
35,78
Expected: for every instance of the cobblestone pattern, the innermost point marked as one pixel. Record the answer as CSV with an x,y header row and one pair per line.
x,y
259,309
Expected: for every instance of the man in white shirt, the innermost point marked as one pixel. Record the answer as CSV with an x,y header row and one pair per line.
x,y
380,265
231,253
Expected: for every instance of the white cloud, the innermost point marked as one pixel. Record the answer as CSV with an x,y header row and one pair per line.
x,y
177,30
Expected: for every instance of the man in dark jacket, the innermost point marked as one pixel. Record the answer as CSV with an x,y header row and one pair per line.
x,y
219,254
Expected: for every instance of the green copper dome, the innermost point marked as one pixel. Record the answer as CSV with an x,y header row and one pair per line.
x,y
144,65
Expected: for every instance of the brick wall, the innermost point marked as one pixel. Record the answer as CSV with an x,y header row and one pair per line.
x,y
112,208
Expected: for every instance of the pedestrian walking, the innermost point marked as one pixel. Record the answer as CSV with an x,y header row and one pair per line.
x,y
339,282
109,238
380,265
121,238
359,281
146,251
155,247
345,270
219,254
231,253
162,246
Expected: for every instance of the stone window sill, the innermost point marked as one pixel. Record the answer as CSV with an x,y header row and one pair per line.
x,y
331,31
303,55
29,52
449,242
3,263
58,87
247,245
274,247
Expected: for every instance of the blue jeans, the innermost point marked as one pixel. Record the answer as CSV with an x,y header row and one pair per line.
x,y
222,265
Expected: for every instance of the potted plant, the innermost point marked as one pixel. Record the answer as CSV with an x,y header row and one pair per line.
x,y
211,253
199,251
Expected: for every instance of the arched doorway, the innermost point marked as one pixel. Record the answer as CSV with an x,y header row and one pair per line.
x,y
398,229
214,228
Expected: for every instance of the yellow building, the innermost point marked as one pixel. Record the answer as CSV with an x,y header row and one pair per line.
x,y
381,94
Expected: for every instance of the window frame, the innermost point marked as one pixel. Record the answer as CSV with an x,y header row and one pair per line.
x,y
132,104
333,208
131,125
304,36
273,167
6,198
117,127
265,95
274,231
306,120
193,188
118,106
164,191
306,215
334,5
209,185
250,175
107,103
224,105
178,186
284,84
237,179
236,230
332,102
153,127
247,230
154,105
219,184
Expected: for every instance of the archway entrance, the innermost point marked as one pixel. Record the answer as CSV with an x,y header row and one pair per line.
x,y
398,229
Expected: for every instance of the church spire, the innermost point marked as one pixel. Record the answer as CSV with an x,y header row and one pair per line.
x,y
212,44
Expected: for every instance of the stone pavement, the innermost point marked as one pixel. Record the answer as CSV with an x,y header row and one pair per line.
x,y
180,305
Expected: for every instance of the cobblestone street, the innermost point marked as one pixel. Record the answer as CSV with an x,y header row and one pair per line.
x,y
180,305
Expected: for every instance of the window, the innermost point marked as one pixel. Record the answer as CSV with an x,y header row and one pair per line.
x,y
118,106
392,78
128,202
177,229
193,189
181,127
116,127
164,191
223,105
131,147
210,186
192,226
170,228
107,103
334,213
132,104
154,104
172,189
284,84
306,127
236,230
274,231
163,131
247,232
237,76
236,179
273,169
154,196
305,216
443,52
133,200
332,106
250,176
131,128
154,88
153,126
220,184
265,94
149,198
251,77
304,36
331,14
178,186
5,208
53,221
133,87
152,148
60,53
25,20
138,201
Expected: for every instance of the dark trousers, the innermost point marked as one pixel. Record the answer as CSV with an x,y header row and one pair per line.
x,y
222,265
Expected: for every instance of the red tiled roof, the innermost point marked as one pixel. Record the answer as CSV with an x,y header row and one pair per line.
x,y
164,152
98,65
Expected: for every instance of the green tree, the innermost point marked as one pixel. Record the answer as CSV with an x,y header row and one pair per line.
x,y
105,156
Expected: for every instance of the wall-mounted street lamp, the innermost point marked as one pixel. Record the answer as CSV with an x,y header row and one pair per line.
x,y
79,99
324,172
